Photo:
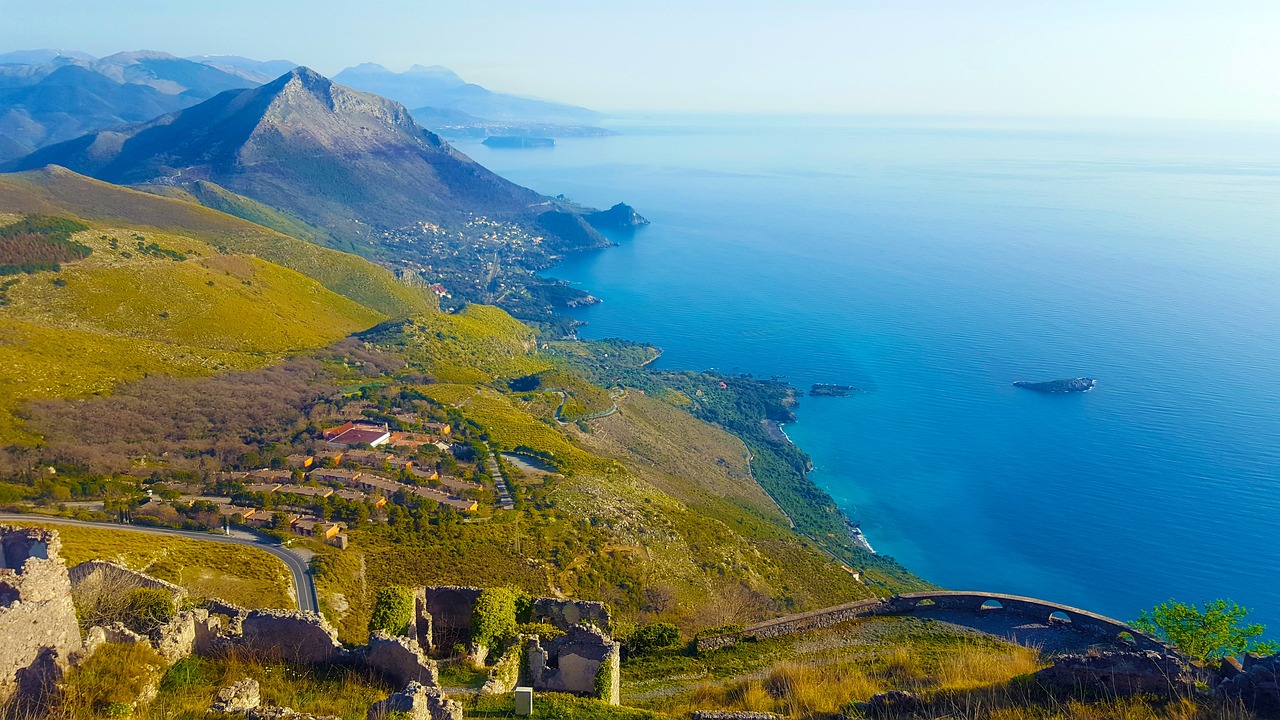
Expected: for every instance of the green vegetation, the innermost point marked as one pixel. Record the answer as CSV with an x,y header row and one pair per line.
x,y
650,638
495,615
243,575
392,610
557,706
110,682
188,687
1215,632
147,609
478,344
59,191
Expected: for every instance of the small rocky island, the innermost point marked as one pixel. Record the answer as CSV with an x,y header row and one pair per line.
x,y
829,390
1070,385
513,141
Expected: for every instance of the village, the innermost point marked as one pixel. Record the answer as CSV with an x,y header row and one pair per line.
x,y
349,477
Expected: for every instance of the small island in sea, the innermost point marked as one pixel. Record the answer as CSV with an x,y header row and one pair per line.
x,y
1070,385
511,141
829,390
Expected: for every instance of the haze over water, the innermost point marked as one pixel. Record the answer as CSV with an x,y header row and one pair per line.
x,y
934,263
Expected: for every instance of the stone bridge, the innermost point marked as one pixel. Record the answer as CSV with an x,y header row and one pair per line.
x,y
1022,619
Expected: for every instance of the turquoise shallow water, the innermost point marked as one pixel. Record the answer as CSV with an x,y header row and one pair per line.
x,y
932,264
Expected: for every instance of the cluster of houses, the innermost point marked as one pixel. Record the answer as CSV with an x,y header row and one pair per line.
x,y
327,479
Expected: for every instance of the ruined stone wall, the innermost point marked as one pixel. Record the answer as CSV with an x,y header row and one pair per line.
x,y
38,630
573,662
444,613
94,575
450,609
564,614
297,637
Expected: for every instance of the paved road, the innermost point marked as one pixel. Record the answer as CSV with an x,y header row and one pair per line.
x,y
304,588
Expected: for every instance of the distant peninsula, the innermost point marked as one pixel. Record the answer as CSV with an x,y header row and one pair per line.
x,y
510,141
1070,385
829,390
619,217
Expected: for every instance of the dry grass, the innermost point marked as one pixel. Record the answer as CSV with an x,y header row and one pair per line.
x,y
243,575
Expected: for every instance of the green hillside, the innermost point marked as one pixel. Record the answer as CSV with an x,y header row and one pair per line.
x,y
55,191
134,300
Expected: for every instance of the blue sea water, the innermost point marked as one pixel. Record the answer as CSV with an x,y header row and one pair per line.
x,y
934,262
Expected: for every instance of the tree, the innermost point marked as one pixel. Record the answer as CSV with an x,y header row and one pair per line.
x,y
392,610
1216,632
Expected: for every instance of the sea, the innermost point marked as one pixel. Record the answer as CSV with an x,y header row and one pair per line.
x,y
931,262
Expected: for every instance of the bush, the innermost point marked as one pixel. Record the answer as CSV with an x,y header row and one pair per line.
x,y
494,617
393,608
650,638
147,609
111,680
1210,634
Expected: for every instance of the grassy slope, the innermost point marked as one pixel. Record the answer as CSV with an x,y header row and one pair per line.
x,y
121,314
242,575
675,519
55,191
215,196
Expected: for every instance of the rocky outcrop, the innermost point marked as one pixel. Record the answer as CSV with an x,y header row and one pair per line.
x,y
894,703
1123,673
401,660
619,217
733,715
243,696
1256,683
418,703
297,637
37,618
1070,385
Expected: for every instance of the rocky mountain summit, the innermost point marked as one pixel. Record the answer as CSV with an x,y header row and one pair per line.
x,y
332,156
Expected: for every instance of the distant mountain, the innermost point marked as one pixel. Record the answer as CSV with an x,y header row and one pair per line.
x,y
350,162
60,95
39,57
440,88
260,70
169,74
71,101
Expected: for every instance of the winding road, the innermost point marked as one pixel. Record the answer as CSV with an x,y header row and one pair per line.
x,y
303,585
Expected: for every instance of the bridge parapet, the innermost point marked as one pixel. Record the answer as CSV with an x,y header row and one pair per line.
x,y
1105,629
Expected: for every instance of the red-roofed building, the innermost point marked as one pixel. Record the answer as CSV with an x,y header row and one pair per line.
x,y
352,433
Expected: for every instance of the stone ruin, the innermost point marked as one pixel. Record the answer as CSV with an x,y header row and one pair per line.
x,y
583,661
570,663
444,614
37,617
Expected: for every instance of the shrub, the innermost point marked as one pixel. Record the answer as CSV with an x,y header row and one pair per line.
x,y
1213,633
494,616
393,608
111,680
650,638
146,609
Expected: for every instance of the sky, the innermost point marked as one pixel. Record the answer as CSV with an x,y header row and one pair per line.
x,y
1207,59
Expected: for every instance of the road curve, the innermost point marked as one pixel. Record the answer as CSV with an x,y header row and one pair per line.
x,y
303,586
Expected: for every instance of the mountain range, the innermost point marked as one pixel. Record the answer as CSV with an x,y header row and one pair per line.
x,y
432,90
351,162
49,96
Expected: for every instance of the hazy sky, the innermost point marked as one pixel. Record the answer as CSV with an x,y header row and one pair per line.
x,y
1108,58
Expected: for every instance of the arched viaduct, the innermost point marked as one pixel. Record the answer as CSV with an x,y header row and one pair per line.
x,y
1099,629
